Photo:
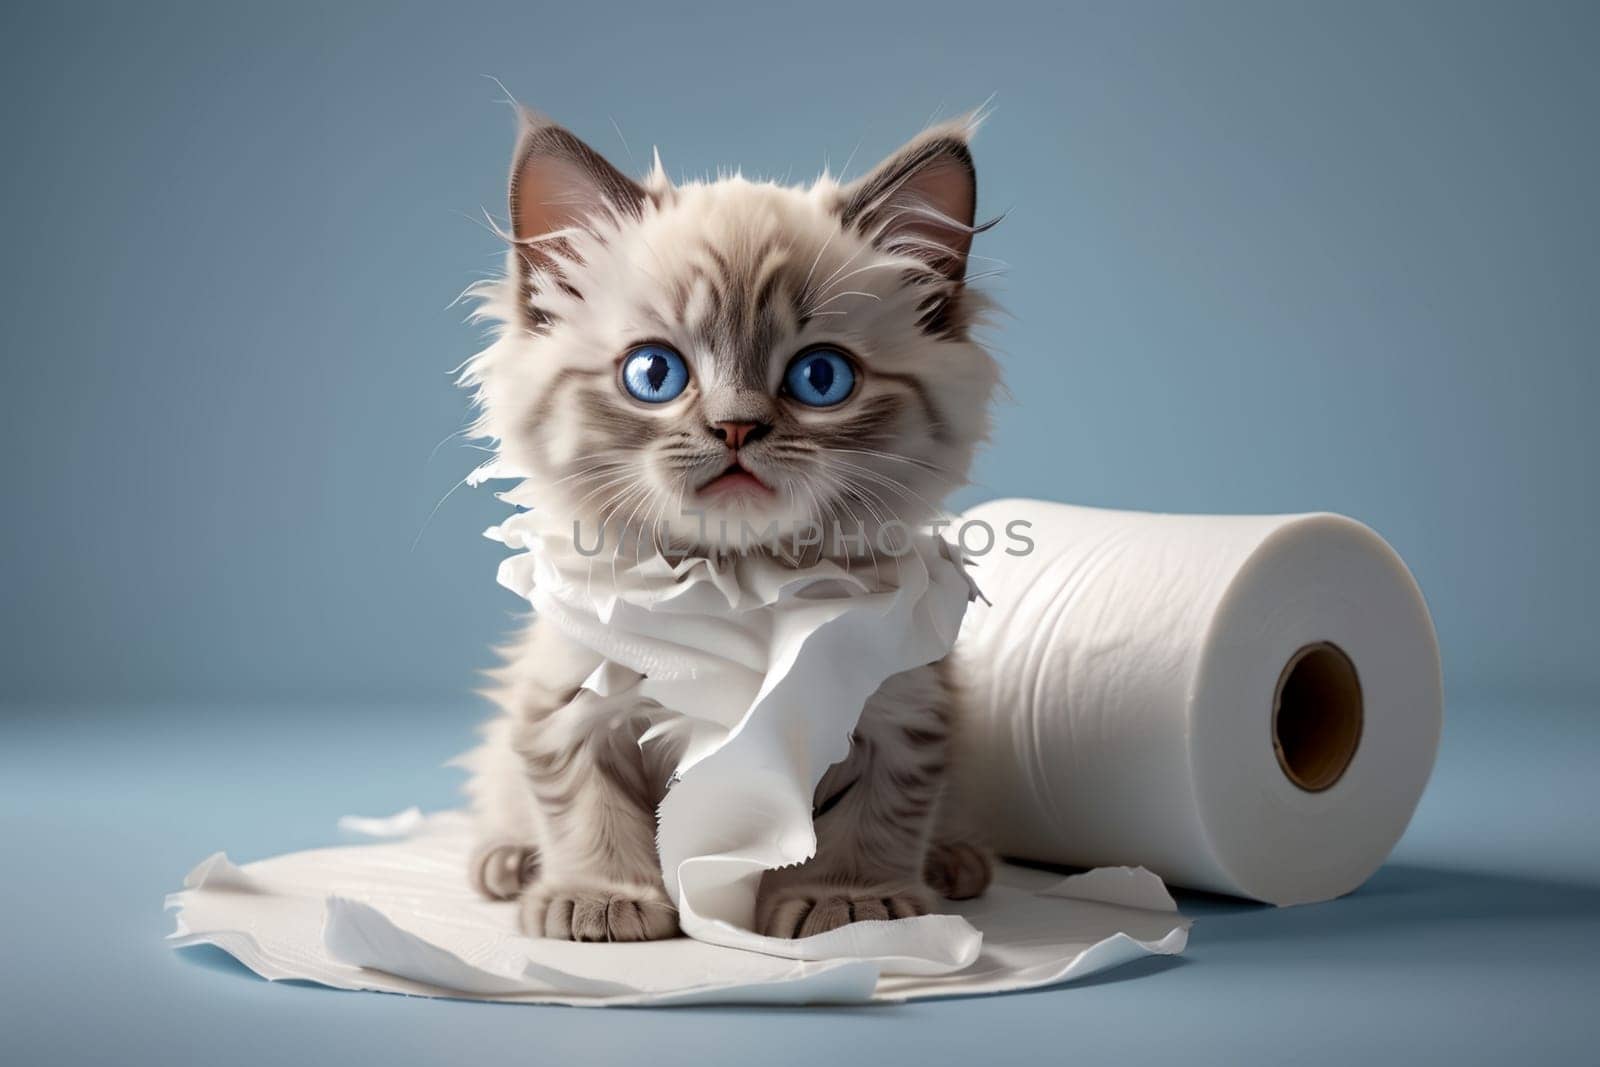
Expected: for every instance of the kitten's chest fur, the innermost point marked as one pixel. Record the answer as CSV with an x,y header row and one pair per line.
x,y
904,728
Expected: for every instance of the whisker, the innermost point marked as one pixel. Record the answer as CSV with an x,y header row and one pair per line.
x,y
896,456
415,541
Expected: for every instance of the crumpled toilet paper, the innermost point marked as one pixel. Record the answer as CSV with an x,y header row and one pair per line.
x,y
767,667
399,917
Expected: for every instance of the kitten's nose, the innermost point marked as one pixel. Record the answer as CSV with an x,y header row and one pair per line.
x,y
739,434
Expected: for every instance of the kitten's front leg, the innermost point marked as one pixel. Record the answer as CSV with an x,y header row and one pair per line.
x,y
599,878
873,818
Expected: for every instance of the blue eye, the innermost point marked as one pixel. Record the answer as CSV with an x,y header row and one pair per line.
x,y
654,374
820,378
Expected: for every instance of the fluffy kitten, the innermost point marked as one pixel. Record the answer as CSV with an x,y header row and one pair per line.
x,y
747,353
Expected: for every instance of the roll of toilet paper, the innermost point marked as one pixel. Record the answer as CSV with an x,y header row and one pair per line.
x,y
1244,704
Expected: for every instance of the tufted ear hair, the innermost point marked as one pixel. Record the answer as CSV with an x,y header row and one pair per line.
x,y
922,200
559,184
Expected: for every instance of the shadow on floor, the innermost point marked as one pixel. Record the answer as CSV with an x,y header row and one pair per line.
x,y
1398,896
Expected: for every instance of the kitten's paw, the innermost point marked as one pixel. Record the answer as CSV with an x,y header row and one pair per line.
x,y
800,911
499,869
958,870
599,913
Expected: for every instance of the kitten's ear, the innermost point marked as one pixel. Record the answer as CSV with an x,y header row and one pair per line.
x,y
922,200
559,183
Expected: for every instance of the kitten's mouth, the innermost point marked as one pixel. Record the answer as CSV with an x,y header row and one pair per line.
x,y
735,481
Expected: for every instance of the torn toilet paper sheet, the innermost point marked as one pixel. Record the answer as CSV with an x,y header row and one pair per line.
x,y
760,670
399,917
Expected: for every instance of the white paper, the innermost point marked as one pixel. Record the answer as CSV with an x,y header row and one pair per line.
x,y
1122,692
1122,687
399,917
768,667
765,668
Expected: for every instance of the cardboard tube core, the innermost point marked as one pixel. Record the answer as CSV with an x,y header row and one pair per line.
x,y
1316,716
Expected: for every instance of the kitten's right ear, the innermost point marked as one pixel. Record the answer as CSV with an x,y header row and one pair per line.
x,y
922,200
559,184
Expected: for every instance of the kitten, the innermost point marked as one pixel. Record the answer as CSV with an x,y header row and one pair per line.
x,y
708,355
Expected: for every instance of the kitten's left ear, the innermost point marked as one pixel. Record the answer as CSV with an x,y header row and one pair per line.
x,y
922,200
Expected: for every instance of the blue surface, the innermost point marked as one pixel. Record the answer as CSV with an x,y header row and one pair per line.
x,y
1262,256
1476,944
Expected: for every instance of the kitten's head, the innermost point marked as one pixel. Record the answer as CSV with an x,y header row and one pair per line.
x,y
730,352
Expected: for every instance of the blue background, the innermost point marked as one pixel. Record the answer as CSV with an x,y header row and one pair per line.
x,y
1257,257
